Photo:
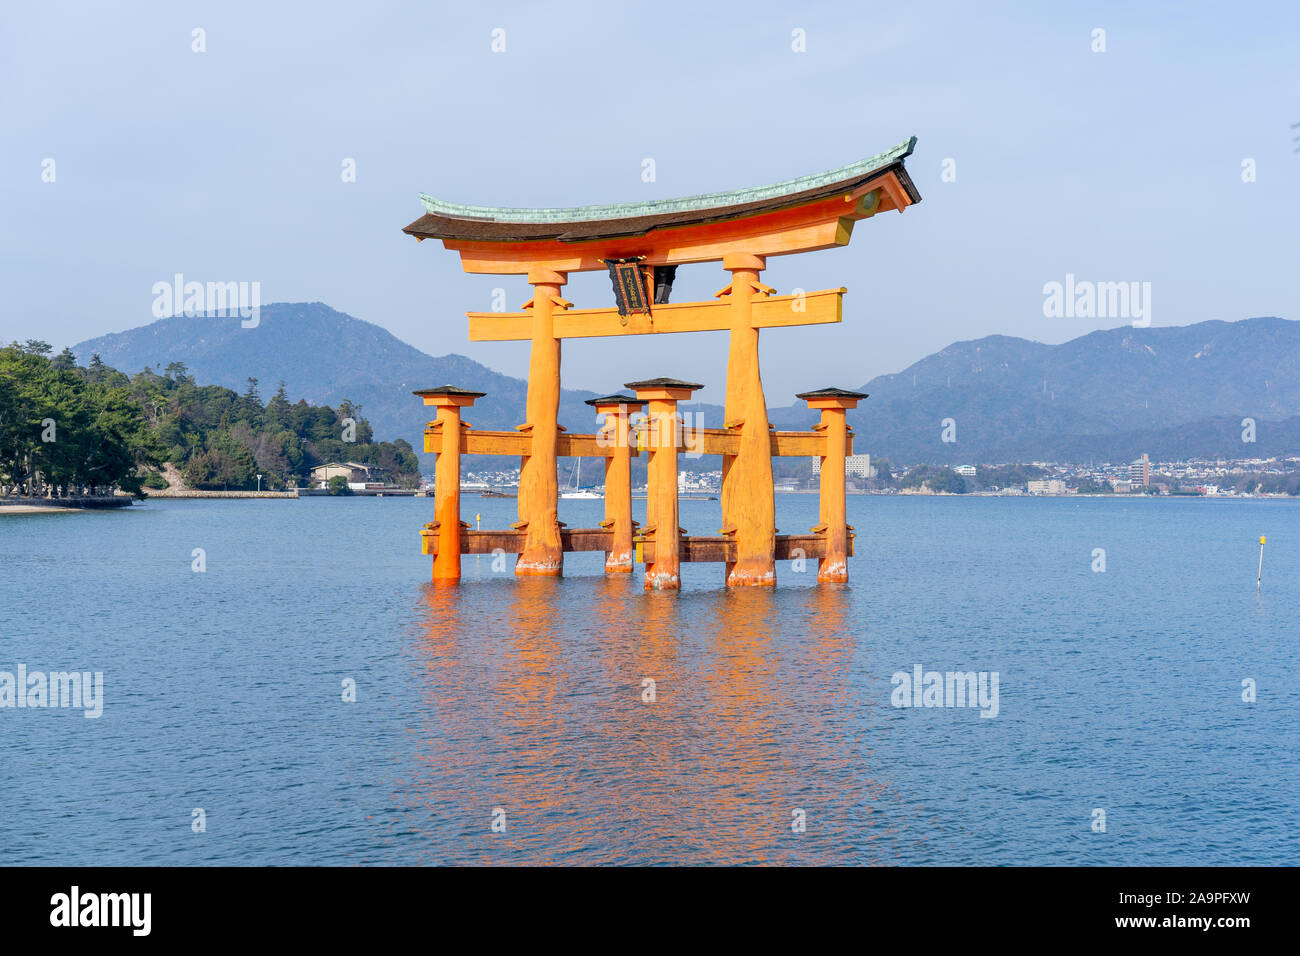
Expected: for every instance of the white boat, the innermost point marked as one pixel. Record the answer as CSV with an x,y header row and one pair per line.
x,y
577,491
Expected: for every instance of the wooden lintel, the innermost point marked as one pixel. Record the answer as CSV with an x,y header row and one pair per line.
x,y
695,548
478,442
586,446
701,441
810,308
512,542
723,548
726,441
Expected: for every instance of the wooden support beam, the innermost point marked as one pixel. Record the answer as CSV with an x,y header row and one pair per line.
x,y
726,441
834,404
587,446
722,548
778,311
664,425
702,441
615,440
476,442
513,542
690,547
446,527
748,502
539,488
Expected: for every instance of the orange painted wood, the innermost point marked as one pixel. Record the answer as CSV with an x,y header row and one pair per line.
x,y
446,496
538,484
823,224
721,548
513,542
476,442
664,426
822,307
748,496
615,438
834,565
587,446
726,441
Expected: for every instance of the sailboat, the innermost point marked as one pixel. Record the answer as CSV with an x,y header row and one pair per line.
x,y
577,491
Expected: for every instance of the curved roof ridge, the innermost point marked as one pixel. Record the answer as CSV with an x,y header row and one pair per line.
x,y
654,207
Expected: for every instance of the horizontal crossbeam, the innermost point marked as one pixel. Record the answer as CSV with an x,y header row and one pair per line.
x,y
726,441
475,442
692,548
810,308
512,542
701,441
723,548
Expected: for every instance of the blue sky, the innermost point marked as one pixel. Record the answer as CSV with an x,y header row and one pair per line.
x,y
225,165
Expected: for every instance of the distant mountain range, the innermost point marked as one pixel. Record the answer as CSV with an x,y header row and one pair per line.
x,y
1172,392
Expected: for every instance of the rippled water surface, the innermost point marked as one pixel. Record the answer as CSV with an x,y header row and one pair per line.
x,y
1118,690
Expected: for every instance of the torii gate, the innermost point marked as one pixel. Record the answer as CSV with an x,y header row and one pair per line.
x,y
641,244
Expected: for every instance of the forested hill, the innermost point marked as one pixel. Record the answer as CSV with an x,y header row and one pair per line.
x,y
68,429
326,357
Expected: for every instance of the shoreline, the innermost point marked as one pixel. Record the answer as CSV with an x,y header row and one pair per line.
x,y
34,506
38,509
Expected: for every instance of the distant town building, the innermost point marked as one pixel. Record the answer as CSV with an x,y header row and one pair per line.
x,y
1046,486
1139,472
966,471
358,476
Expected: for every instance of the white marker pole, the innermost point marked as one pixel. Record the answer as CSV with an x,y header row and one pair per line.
x,y
1259,581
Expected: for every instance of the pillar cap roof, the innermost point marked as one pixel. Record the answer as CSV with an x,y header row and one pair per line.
x,y
449,390
663,383
831,392
614,400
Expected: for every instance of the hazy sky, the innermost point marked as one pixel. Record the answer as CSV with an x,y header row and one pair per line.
x,y
225,165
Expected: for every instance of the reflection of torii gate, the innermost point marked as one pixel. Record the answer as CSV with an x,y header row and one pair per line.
x,y
641,244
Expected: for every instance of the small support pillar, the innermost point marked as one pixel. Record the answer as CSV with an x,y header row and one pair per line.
x,y
748,495
539,489
615,435
663,439
834,404
446,487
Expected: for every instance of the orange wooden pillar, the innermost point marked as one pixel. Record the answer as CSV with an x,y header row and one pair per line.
x,y
834,404
664,433
615,437
446,486
748,496
539,490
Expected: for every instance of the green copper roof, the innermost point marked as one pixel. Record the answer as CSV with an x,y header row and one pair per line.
x,y
654,207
